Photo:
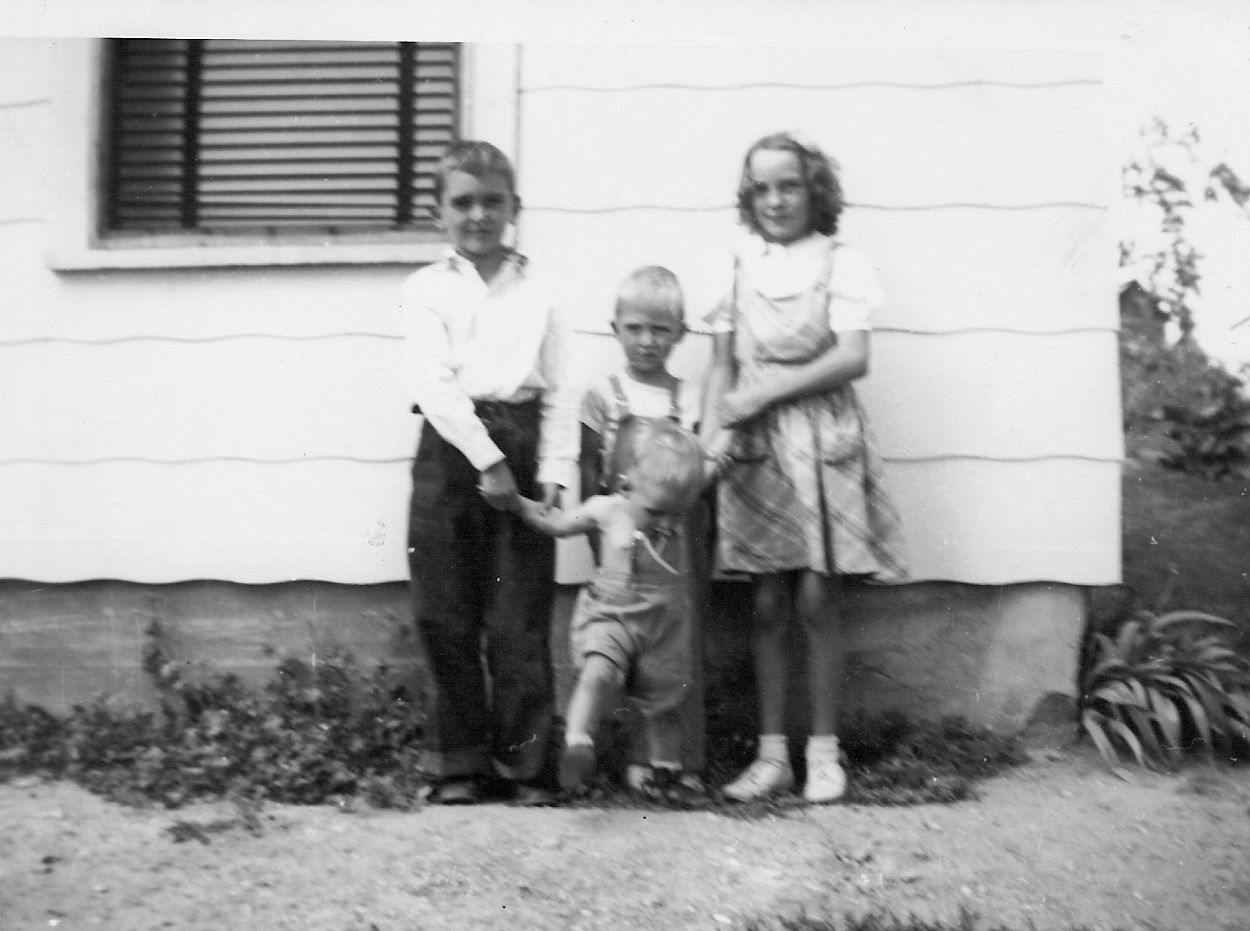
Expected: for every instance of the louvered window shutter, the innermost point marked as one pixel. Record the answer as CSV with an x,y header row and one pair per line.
x,y
226,136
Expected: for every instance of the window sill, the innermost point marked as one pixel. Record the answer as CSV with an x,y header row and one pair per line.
x,y
243,256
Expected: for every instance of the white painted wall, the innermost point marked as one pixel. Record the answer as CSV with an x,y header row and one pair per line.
x,y
250,422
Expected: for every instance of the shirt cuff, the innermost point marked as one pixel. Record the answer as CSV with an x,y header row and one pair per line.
x,y
482,455
557,471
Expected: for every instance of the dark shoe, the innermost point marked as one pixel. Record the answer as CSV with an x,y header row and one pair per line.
x,y
533,795
577,765
675,789
456,792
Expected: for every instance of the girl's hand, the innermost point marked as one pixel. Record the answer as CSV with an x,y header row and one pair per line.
x,y
551,495
498,486
739,406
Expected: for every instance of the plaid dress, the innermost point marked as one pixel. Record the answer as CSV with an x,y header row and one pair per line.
x,y
805,491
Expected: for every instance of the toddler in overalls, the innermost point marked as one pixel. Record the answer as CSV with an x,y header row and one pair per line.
x,y
632,630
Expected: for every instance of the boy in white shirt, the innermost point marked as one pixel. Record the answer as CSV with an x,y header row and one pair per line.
x,y
488,360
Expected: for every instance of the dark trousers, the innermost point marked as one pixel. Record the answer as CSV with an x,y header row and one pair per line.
x,y
482,586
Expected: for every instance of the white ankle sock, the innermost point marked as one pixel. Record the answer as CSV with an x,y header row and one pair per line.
x,y
822,747
774,747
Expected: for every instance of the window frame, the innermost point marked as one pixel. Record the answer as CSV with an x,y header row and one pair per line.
x,y
488,109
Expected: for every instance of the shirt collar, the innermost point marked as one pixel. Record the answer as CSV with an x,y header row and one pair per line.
x,y
757,246
455,260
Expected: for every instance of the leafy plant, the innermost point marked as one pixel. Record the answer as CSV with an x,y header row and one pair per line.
x,y
1211,433
1165,685
320,729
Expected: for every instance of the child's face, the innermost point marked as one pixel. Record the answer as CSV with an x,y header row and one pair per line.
x,y
779,195
648,335
475,212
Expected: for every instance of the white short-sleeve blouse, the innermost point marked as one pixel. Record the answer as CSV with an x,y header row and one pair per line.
x,y
780,271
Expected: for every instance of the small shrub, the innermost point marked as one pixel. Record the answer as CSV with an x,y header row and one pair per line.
x,y
320,729
1165,685
1210,434
896,761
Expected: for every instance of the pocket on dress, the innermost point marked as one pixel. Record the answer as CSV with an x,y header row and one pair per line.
x,y
841,434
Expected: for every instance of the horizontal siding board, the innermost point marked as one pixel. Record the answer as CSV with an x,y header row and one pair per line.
x,y
942,271
967,521
603,66
992,523
25,70
334,521
993,395
281,399
897,146
190,304
26,180
250,398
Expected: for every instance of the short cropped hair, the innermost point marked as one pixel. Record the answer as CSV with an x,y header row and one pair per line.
x,y
655,287
820,172
473,157
666,454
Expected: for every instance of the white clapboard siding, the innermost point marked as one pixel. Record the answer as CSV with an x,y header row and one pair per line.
x,y
992,522
943,270
265,398
966,145
998,522
27,71
21,120
333,520
41,305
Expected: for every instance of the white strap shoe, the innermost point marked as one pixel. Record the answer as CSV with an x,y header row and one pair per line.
x,y
826,781
762,779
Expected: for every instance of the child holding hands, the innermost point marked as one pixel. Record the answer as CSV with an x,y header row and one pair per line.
x,y
632,627
488,357
803,507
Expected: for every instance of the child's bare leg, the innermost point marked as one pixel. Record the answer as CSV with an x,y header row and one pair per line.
x,y
770,645
820,615
772,607
598,688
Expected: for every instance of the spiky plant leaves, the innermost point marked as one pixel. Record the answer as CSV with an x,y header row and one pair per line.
x,y
1191,617
1164,684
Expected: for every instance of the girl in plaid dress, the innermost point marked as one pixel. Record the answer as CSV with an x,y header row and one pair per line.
x,y
803,505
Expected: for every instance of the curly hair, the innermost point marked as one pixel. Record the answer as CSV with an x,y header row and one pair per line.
x,y
820,172
476,158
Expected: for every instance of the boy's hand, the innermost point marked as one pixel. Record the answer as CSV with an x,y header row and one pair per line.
x,y
498,486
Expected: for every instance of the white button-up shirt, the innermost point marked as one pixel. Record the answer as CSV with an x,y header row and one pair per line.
x,y
469,341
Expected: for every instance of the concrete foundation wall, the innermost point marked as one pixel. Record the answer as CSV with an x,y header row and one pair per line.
x,y
990,654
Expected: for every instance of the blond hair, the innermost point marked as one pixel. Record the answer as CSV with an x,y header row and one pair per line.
x,y
653,286
665,454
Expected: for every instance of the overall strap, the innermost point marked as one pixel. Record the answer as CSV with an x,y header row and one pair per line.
x,y
674,409
611,429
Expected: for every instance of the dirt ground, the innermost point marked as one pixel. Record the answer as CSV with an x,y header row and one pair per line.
x,y
1058,843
